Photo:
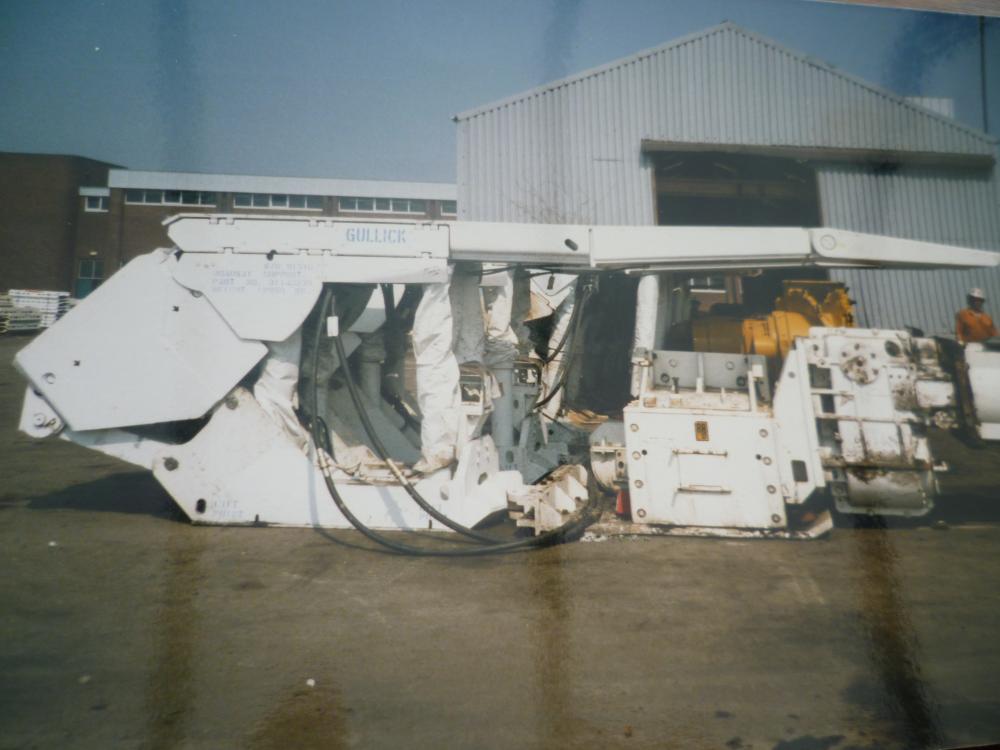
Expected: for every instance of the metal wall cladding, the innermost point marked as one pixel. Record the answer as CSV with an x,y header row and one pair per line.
x,y
955,207
570,152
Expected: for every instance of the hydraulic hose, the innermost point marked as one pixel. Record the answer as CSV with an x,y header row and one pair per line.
x,y
322,440
572,330
395,346
384,455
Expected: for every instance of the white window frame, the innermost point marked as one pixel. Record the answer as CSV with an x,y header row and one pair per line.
x,y
102,204
409,202
393,207
355,210
164,202
286,207
94,262
441,204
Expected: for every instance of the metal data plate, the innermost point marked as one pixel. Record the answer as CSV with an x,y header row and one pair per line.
x,y
141,349
729,371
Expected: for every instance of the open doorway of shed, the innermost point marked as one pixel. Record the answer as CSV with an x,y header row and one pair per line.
x,y
696,189
734,190
705,188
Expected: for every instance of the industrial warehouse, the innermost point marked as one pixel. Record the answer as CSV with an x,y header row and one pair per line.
x,y
655,139
727,128
657,417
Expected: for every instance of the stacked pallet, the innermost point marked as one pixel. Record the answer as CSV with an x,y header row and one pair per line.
x,y
50,305
26,310
17,319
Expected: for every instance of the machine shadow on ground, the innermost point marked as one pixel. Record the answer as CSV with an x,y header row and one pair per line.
x,y
131,492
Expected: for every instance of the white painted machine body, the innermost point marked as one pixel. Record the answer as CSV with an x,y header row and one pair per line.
x,y
177,336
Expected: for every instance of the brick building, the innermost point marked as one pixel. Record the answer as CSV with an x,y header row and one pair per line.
x,y
107,217
40,217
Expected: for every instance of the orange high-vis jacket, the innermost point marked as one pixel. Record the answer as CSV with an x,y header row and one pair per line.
x,y
972,326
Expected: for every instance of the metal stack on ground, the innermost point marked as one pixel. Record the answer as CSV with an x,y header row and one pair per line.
x,y
27,310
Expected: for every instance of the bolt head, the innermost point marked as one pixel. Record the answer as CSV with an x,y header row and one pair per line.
x,y
170,463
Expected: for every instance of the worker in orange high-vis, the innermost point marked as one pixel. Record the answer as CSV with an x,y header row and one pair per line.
x,y
972,324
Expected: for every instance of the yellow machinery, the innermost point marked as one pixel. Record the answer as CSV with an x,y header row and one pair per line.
x,y
802,305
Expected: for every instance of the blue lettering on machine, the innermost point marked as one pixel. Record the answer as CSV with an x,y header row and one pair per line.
x,y
392,236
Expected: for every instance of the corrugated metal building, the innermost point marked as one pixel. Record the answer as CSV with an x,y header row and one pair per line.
x,y
727,127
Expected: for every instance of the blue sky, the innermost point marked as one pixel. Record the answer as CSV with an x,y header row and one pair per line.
x,y
367,89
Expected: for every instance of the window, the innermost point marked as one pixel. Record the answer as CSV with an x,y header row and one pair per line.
x,y
90,276
383,205
95,203
449,208
170,197
277,200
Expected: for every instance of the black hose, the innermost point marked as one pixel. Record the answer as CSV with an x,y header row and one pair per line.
x,y
494,546
380,449
569,329
572,331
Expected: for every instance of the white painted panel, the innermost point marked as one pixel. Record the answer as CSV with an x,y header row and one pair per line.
x,y
253,233
140,349
268,298
722,480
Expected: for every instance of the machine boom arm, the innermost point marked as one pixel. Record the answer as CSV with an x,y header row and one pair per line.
x,y
570,246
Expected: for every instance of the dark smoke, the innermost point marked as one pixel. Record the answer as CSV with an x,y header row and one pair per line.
x,y
559,38
927,39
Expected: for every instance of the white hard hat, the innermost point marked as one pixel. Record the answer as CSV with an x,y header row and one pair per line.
x,y
976,293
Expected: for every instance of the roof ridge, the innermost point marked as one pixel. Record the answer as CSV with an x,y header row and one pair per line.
x,y
592,72
705,33
865,84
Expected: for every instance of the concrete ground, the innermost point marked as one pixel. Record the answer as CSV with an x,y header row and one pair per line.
x,y
121,625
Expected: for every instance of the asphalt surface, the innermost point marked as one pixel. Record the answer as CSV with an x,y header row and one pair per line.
x,y
121,625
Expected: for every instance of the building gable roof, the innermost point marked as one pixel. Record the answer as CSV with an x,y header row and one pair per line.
x,y
960,137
